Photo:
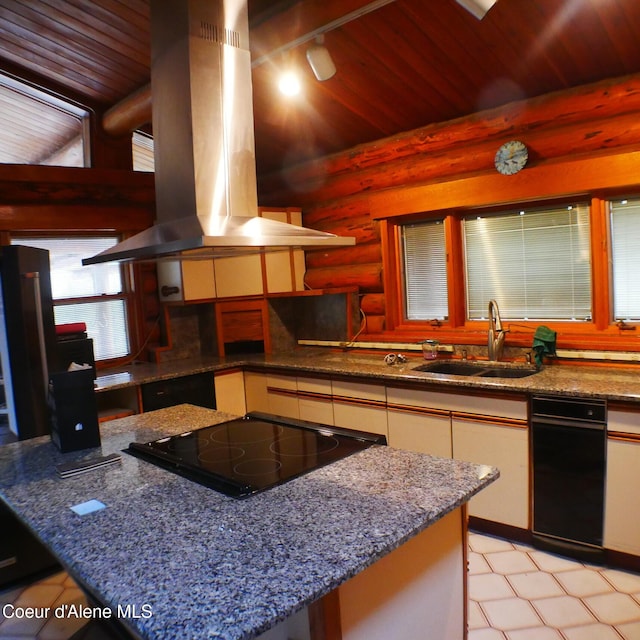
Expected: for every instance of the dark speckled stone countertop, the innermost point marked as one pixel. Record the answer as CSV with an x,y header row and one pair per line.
x,y
613,383
209,566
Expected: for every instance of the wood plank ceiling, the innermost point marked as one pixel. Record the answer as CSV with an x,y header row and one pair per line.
x,y
404,65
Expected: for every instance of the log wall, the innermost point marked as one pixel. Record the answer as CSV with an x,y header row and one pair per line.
x,y
41,198
346,193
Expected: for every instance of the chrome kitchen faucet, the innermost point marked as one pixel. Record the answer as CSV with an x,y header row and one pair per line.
x,y
496,333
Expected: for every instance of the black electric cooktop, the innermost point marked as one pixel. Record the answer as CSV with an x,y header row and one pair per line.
x,y
247,455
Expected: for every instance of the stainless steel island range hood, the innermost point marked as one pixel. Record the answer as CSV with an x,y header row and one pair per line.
x,y
204,150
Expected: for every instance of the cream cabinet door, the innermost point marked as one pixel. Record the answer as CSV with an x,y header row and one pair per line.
x,y
186,281
504,447
420,431
255,391
282,392
622,500
230,394
238,276
360,406
314,400
418,421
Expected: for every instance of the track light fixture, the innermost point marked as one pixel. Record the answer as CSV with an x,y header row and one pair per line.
x,y
478,8
320,60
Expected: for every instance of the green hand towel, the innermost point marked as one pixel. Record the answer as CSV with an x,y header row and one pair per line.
x,y
544,343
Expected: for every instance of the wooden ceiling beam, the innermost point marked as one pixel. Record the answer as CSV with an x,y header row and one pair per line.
x,y
129,114
272,35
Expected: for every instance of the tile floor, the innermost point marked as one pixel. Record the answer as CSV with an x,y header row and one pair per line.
x,y
52,591
519,593
515,593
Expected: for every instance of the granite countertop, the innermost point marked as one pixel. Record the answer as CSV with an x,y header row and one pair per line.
x,y
620,383
209,566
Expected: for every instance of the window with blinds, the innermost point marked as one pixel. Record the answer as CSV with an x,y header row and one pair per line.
x,y
535,263
625,248
425,271
92,294
142,152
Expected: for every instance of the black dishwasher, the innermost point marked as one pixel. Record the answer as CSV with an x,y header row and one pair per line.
x,y
196,388
569,462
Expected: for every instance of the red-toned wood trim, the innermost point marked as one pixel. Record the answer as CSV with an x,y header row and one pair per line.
x,y
292,262
266,333
552,179
360,402
624,436
601,293
292,393
74,218
169,337
492,420
312,395
455,271
423,411
324,617
464,523
391,275
624,406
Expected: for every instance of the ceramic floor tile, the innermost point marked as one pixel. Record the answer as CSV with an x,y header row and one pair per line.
x,y
10,595
477,564
511,613
623,581
536,584
486,634
591,632
55,578
563,611
508,562
489,586
39,595
583,582
537,633
629,631
21,627
475,617
488,544
60,628
614,608
552,563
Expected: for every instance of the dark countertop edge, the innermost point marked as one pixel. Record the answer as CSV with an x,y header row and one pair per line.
x,y
613,383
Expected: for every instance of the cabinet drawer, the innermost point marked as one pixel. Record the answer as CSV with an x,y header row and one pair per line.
x,y
195,389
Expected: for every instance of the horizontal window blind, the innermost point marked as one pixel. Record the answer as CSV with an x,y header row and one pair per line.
x,y
625,247
69,278
106,324
425,271
106,319
536,264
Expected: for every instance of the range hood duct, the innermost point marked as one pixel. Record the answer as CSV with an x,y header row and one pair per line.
x,y
204,149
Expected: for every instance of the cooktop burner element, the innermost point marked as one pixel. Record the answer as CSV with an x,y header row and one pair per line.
x,y
250,454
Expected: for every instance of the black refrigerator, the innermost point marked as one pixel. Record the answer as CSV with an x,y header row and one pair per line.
x,y
27,339
28,354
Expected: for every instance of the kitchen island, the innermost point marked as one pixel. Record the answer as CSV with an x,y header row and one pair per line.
x,y
172,558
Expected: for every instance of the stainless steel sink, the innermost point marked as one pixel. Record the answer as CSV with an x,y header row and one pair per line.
x,y
478,369
454,368
507,373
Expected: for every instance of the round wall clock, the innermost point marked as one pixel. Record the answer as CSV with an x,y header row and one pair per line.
x,y
511,157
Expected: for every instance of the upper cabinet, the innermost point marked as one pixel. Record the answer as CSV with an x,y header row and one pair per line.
x,y
237,276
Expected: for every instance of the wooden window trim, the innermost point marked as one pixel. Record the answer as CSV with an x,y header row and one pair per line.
x,y
600,333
